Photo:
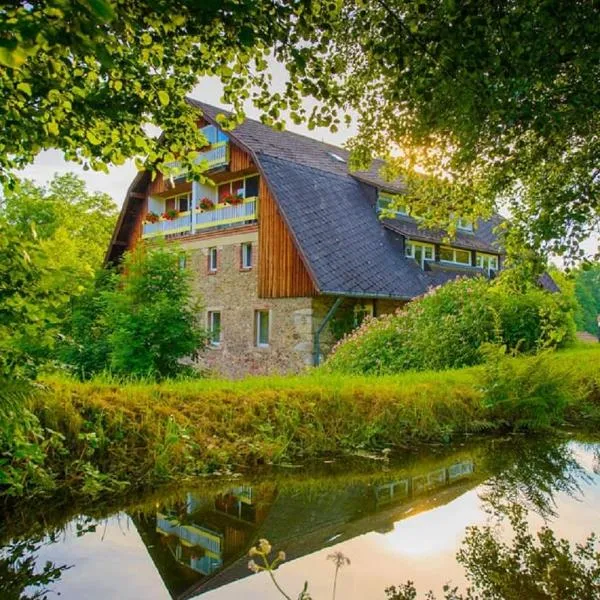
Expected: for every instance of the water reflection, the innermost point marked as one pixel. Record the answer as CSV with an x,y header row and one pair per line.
x,y
198,540
210,535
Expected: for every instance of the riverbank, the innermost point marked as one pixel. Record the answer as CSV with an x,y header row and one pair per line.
x,y
105,437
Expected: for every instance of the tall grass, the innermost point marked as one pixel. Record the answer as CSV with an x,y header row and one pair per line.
x,y
144,433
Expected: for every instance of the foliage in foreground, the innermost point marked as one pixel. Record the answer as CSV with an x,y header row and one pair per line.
x,y
539,567
107,434
450,327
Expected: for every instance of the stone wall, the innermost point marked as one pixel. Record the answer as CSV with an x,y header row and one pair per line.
x,y
233,292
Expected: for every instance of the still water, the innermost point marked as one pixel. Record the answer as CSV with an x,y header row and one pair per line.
x,y
394,520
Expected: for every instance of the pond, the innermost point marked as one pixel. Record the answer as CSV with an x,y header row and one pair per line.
x,y
395,520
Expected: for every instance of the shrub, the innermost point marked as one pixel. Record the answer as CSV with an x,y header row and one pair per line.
x,y
152,316
531,394
447,328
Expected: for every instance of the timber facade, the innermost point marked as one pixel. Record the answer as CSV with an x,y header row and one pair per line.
x,y
287,248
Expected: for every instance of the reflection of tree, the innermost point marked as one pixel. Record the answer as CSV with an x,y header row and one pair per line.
x,y
19,576
531,474
539,567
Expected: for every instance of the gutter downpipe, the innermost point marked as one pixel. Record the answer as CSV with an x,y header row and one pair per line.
x,y
321,327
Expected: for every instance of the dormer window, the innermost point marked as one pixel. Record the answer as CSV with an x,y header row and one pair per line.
x,y
455,256
387,203
419,251
487,262
464,225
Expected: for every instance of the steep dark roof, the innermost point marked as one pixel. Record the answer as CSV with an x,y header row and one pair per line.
x,y
481,238
347,250
329,213
345,247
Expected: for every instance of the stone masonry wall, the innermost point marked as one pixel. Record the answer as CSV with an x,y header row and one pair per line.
x,y
233,292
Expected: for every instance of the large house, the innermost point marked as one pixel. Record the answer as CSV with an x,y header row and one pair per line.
x,y
286,239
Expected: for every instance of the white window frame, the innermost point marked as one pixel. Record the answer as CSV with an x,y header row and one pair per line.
x,y
213,266
177,198
210,319
480,257
247,252
257,320
454,261
242,190
402,211
464,224
410,244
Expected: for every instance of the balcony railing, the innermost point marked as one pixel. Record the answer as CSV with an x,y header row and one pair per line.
x,y
216,156
180,224
225,214
189,222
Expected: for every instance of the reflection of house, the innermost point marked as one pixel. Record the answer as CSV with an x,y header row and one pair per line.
x,y
413,486
209,537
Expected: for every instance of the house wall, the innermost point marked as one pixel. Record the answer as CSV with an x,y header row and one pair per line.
x,y
233,292
281,270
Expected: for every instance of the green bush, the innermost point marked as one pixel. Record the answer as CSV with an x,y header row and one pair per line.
x,y
152,316
141,324
448,327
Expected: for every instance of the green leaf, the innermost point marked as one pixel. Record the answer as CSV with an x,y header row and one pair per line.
x,y
52,127
24,87
93,138
102,9
163,97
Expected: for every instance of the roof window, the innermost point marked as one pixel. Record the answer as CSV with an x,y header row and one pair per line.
x,y
337,157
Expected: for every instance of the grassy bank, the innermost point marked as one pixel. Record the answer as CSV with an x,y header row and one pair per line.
x,y
103,436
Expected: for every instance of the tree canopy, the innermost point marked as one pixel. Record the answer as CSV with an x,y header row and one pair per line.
x,y
473,103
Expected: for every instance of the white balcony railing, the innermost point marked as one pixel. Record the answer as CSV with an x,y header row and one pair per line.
x,y
180,224
216,156
225,214
189,222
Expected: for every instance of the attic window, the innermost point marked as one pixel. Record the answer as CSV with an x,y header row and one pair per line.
x,y
337,157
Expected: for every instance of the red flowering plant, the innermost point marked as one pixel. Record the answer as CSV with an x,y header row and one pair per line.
x,y
206,204
152,217
170,214
233,199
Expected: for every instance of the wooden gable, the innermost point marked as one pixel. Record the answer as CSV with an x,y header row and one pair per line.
x,y
281,270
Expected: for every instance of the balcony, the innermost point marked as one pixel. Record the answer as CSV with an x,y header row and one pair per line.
x,y
216,156
223,215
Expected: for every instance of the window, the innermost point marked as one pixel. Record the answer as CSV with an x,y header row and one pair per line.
x,y
464,224
212,259
488,262
252,187
247,255
247,188
180,203
182,261
455,255
420,252
389,203
262,328
214,327
337,157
